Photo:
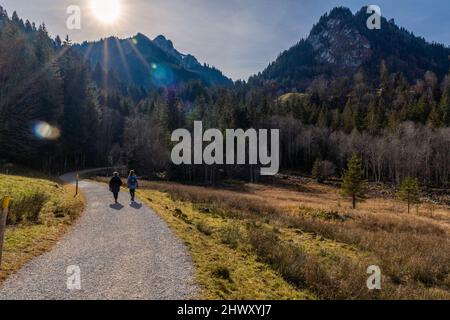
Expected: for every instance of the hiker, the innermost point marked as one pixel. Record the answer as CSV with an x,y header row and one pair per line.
x,y
114,185
132,184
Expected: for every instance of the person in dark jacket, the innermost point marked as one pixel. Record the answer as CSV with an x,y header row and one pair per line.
x,y
114,185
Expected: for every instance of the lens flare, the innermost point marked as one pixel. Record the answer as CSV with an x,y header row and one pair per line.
x,y
43,130
161,75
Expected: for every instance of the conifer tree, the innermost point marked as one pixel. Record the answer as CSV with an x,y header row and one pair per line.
x,y
348,118
336,120
409,192
372,120
353,183
436,117
322,121
445,107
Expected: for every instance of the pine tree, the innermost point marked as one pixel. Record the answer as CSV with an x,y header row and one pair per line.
x,y
353,183
445,107
67,41
28,26
373,118
322,121
348,118
58,41
385,85
393,121
336,120
409,192
384,77
15,18
196,114
436,117
420,110
3,12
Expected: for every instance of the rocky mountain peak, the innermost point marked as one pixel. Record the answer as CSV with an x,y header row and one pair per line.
x,y
164,43
187,61
336,40
340,45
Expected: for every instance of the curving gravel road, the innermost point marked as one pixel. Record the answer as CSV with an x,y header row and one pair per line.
x,y
123,252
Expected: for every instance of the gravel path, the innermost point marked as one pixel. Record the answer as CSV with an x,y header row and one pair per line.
x,y
123,252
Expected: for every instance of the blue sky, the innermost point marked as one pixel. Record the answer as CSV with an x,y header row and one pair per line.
x,y
240,37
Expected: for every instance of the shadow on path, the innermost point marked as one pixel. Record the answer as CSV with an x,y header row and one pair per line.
x,y
116,206
136,205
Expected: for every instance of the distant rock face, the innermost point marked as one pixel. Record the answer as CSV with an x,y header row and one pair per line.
x,y
186,60
165,44
190,62
339,44
210,74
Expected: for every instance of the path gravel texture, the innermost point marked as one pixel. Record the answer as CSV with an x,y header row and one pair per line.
x,y
122,251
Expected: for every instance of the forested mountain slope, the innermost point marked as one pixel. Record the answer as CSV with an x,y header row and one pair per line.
x,y
340,44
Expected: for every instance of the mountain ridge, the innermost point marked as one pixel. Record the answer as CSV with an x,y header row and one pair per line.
x,y
148,63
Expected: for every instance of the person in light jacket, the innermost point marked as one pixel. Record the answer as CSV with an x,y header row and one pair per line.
x,y
132,184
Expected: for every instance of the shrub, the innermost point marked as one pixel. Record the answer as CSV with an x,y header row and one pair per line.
x,y
27,208
179,214
232,235
323,170
222,273
204,228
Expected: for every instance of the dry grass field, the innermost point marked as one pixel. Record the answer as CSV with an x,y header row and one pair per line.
x,y
309,238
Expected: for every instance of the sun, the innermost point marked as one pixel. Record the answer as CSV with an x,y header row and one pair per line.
x,y
107,11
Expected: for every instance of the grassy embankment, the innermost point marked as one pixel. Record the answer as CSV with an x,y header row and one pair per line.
x,y
298,240
42,210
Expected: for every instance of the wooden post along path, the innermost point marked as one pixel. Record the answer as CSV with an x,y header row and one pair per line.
x,y
3,216
76,186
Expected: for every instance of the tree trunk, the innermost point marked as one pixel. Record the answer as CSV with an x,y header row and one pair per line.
x,y
409,203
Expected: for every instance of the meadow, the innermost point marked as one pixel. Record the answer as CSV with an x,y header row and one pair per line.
x,y
297,239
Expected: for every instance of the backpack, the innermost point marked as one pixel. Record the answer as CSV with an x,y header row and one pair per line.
x,y
132,181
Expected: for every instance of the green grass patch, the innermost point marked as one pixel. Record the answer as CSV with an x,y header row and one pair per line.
x,y
41,211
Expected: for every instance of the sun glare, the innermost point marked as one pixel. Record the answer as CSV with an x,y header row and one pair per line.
x,y
107,11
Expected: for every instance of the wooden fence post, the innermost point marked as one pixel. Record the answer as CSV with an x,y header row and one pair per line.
x,y
76,186
3,216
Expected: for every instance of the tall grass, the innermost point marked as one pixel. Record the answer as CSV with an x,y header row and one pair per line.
x,y
36,200
305,271
26,208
